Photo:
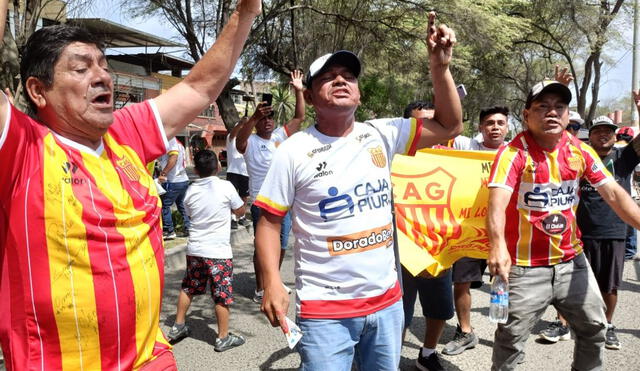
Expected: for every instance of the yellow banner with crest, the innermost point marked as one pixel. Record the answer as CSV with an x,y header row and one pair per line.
x,y
441,199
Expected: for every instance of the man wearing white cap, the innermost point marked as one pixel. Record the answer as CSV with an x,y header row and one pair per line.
x,y
335,178
534,239
575,123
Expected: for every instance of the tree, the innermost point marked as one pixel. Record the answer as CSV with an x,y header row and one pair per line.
x,y
198,22
575,33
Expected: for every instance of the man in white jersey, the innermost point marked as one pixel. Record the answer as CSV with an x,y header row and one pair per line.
x,y
335,179
175,181
237,170
467,272
258,151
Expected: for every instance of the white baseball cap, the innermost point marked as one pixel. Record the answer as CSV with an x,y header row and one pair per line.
x,y
341,57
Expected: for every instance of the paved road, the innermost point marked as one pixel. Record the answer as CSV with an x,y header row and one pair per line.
x,y
266,348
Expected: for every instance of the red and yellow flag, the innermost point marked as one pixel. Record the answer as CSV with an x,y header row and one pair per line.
x,y
441,199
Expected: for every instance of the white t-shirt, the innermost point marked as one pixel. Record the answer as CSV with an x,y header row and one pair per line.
x,y
235,159
179,172
470,144
339,192
258,155
209,202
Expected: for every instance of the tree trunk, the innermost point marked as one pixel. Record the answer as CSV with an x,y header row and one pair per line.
x,y
595,88
227,108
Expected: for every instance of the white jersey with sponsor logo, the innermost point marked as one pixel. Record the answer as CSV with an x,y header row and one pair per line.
x,y
258,155
178,173
339,192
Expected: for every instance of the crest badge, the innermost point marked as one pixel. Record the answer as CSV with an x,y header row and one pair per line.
x,y
130,170
378,157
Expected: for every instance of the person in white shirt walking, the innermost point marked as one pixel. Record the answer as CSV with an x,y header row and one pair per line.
x,y
237,170
209,202
258,151
175,181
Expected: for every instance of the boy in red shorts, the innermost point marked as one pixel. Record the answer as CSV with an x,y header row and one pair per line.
x,y
209,202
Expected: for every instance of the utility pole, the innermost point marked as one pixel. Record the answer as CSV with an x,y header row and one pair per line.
x,y
636,59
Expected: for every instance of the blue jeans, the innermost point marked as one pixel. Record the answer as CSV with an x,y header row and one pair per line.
x,y
374,341
175,193
285,226
631,247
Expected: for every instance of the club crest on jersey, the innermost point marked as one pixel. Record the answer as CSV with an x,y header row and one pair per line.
x,y
128,168
377,156
424,202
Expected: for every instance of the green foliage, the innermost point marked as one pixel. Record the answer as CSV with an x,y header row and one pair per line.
x,y
283,104
382,97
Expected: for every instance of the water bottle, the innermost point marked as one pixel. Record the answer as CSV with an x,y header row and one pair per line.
x,y
499,305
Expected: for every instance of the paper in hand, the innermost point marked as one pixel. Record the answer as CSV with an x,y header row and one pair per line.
x,y
294,334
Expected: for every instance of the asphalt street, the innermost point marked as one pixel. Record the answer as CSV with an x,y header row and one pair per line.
x,y
266,348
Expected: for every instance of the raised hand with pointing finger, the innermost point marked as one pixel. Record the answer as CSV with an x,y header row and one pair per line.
x,y
563,75
440,41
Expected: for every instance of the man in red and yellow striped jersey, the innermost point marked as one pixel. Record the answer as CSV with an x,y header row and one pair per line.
x,y
534,238
81,255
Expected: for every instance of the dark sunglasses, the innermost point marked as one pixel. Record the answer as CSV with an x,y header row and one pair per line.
x,y
573,126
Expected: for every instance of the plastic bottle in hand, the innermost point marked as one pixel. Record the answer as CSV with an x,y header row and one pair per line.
x,y
499,305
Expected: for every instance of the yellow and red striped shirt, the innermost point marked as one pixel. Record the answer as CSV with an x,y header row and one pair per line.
x,y
81,251
541,228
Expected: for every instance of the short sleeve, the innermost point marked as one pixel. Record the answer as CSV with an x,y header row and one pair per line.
x,y
278,189
18,140
172,148
187,201
507,168
234,199
139,126
595,172
401,134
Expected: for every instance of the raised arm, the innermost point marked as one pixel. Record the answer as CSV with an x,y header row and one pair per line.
x,y
294,124
621,203
186,100
236,129
246,129
499,261
563,75
447,120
